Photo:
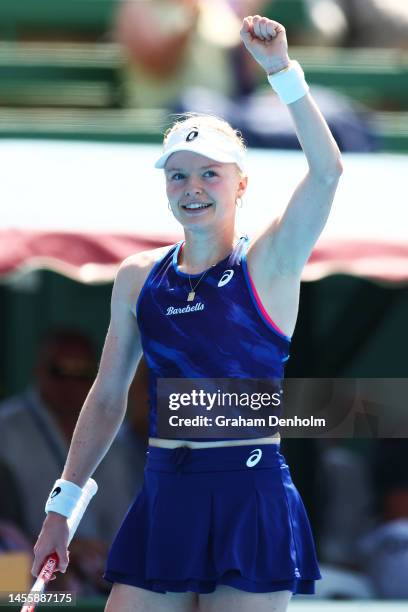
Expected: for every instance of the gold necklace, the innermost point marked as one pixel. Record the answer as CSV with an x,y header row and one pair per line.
x,y
191,293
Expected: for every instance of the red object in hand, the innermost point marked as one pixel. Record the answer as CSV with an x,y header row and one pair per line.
x,y
51,562
47,572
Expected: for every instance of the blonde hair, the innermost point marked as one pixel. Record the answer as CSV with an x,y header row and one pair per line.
x,y
186,120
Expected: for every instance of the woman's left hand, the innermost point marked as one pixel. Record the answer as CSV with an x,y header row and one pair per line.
x,y
266,41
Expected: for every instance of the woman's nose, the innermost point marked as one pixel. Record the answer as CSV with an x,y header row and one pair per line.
x,y
193,188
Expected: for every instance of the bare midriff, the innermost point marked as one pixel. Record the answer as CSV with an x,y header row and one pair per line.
x,y
164,443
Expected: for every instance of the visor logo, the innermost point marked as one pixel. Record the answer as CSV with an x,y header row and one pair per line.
x,y
254,457
191,135
225,278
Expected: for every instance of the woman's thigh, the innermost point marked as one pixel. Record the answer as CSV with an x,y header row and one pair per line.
x,y
125,598
225,599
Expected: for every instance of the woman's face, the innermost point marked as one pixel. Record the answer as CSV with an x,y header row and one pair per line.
x,y
202,191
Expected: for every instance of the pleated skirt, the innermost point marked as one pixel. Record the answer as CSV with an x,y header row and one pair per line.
x,y
204,517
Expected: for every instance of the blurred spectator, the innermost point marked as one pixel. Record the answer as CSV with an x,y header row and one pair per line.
x,y
362,23
35,429
11,507
265,122
346,497
12,537
384,550
186,55
174,44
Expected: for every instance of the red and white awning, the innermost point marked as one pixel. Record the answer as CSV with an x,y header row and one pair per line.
x,y
81,208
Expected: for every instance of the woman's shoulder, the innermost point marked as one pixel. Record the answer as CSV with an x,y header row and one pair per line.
x,y
134,270
145,260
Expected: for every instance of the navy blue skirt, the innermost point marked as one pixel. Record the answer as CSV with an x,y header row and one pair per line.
x,y
204,517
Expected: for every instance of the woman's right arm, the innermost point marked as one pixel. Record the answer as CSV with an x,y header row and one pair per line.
x,y
104,408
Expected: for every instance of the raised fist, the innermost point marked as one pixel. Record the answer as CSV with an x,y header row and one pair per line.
x,y
266,41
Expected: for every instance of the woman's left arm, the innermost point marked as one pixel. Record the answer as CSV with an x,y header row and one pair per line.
x,y
288,241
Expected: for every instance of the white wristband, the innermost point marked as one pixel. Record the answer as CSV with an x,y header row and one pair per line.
x,y
63,498
289,84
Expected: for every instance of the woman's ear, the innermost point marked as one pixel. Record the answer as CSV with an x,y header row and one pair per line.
x,y
242,185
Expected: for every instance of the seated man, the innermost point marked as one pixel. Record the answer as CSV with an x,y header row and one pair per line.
x,y
35,430
172,45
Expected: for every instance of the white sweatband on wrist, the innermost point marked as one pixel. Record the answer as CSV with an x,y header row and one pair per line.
x,y
63,498
289,84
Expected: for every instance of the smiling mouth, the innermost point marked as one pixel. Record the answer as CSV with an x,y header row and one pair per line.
x,y
196,206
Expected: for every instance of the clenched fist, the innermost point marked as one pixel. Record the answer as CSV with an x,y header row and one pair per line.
x,y
266,41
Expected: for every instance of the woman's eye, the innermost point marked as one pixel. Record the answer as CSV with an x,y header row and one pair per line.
x,y
210,173
177,176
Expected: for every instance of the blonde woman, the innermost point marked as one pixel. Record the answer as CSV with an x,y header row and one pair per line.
x,y
218,525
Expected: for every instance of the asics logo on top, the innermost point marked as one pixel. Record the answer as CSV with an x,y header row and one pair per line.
x,y
254,457
226,277
191,135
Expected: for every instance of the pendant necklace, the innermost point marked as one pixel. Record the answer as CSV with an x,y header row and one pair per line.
x,y
191,293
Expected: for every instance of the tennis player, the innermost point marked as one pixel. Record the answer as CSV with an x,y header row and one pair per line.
x,y
218,525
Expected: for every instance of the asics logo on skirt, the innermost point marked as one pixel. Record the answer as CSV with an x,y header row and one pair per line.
x,y
254,457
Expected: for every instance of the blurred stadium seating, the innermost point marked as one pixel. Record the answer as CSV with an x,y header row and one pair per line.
x,y
43,19
60,75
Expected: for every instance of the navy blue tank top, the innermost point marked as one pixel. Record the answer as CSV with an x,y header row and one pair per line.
x,y
224,333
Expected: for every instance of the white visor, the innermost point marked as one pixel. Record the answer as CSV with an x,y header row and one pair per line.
x,y
205,141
